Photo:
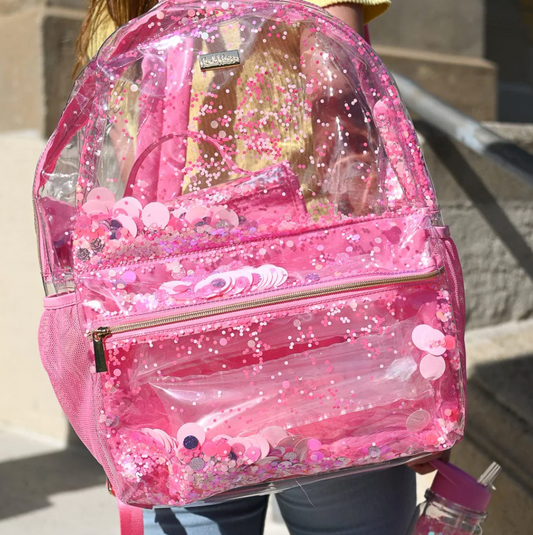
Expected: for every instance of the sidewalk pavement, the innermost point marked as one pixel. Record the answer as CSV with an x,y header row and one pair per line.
x,y
47,490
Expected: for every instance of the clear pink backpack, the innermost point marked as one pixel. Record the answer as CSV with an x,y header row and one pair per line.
x,y
249,283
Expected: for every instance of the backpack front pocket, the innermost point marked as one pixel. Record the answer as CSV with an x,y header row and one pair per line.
x,y
301,387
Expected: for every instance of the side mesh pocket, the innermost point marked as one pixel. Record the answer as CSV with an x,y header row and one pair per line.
x,y
67,358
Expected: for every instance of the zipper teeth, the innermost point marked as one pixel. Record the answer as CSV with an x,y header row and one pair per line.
x,y
295,296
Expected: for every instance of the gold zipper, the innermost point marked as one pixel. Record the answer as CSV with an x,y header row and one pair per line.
x,y
98,335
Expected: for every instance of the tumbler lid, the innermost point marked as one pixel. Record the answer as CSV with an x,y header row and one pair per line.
x,y
459,487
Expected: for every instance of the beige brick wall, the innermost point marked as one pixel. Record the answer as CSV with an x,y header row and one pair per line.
x,y
26,398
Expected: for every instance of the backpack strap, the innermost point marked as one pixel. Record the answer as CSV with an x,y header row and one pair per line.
x,y
131,519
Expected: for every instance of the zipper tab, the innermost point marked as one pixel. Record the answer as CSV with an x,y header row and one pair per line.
x,y
98,336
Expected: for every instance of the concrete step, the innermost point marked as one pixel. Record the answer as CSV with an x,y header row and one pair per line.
x,y
500,422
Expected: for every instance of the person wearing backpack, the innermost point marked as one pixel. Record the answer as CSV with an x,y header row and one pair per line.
x,y
380,502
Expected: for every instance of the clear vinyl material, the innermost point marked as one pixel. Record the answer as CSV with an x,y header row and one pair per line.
x,y
255,251
438,516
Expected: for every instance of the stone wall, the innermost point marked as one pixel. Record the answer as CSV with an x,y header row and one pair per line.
x,y
509,43
500,423
441,45
490,214
454,27
467,83
26,397
37,40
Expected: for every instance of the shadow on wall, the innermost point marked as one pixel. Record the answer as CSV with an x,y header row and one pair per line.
x,y
509,44
28,483
480,196
500,428
500,420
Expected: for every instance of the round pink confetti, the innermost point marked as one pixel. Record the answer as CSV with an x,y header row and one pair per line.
x,y
418,420
160,436
128,223
267,460
301,448
286,384
428,339
261,443
437,344
195,214
209,448
221,437
449,342
267,277
240,440
238,449
223,449
421,335
117,373
213,285
432,438
316,456
278,452
288,442
432,367
191,429
243,281
175,287
253,453
155,214
313,444
184,455
102,195
94,208
223,342
256,280
225,214
273,434
129,206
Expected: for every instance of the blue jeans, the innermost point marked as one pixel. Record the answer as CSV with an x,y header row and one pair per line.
x,y
375,503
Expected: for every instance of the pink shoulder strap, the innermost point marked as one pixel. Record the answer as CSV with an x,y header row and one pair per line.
x,y
131,519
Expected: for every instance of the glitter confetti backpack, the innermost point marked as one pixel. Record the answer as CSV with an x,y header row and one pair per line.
x,y
249,283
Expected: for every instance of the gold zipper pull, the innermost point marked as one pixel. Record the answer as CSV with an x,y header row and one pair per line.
x,y
99,349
